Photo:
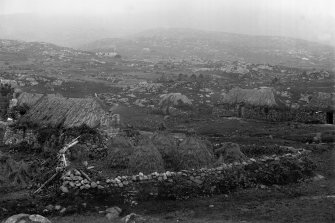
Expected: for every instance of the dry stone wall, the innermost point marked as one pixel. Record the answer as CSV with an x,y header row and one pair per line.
x,y
268,170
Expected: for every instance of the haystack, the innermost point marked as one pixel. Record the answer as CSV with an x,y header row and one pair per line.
x,y
193,153
146,159
264,96
119,152
166,145
67,112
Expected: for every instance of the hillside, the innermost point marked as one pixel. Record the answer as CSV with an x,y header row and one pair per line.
x,y
47,68
195,44
36,50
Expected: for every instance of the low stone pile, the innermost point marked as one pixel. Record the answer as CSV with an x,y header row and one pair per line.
x,y
75,179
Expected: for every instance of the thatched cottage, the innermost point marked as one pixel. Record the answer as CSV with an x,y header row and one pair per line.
x,y
323,105
263,103
57,111
52,110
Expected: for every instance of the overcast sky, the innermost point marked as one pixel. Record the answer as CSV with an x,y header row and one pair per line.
x,y
306,19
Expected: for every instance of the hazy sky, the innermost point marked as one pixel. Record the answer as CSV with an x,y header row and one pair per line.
x,y
306,19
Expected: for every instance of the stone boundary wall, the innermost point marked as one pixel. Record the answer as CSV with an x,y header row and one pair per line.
x,y
284,169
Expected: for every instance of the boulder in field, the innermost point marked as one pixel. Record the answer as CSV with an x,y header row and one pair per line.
x,y
173,102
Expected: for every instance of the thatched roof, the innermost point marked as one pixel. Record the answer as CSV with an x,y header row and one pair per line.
x,y
28,99
67,112
322,101
264,96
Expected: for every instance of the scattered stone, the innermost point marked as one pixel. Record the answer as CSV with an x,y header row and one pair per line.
x,y
64,189
211,206
133,218
113,213
62,211
262,186
49,207
318,177
245,209
114,209
58,207
26,218
111,216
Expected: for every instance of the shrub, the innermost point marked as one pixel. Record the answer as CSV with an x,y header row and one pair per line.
x,y
146,158
193,153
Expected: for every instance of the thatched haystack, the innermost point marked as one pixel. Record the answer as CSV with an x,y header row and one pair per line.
x,y
119,152
167,146
28,99
146,159
264,96
172,101
194,153
67,112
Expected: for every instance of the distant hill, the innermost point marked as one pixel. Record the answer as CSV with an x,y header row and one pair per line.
x,y
193,44
14,51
